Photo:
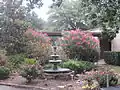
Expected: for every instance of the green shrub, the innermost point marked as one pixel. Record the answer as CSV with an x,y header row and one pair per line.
x,y
16,60
4,73
30,73
30,69
112,58
78,66
101,77
38,45
30,61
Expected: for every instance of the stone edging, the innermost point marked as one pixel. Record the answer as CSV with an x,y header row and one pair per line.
x,y
22,86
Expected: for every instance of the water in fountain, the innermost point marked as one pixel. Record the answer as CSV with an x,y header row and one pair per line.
x,y
55,62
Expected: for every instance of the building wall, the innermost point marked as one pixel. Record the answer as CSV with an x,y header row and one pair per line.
x,y
115,44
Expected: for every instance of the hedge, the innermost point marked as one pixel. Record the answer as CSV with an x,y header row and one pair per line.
x,y
112,57
78,66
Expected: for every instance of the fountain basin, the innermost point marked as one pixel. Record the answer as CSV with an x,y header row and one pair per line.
x,y
59,70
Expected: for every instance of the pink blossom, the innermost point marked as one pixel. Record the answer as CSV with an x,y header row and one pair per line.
x,y
78,43
73,38
73,32
63,44
88,42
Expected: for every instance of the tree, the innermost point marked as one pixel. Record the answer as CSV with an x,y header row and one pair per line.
x,y
35,22
12,25
103,14
67,16
106,14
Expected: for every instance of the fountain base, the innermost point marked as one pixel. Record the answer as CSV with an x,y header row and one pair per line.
x,y
59,70
60,73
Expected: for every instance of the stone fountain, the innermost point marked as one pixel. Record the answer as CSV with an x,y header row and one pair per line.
x,y
55,61
56,70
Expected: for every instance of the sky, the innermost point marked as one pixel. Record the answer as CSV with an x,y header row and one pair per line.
x,y
42,12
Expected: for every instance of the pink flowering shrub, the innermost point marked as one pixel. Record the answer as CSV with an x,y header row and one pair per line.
x,y
79,44
38,45
101,77
40,37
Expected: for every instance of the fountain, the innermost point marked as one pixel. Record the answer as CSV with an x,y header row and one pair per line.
x,y
55,70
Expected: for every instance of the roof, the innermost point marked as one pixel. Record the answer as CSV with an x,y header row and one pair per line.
x,y
97,34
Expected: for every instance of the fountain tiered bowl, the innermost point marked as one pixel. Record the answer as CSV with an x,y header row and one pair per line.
x,y
56,68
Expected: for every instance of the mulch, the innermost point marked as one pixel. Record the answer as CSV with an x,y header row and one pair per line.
x,y
49,84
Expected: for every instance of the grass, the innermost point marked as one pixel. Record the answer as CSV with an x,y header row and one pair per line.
x,y
115,68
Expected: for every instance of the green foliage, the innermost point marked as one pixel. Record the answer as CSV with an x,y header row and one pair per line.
x,y
15,61
4,73
78,66
30,69
35,21
13,41
30,61
30,73
68,16
104,14
90,14
13,24
112,57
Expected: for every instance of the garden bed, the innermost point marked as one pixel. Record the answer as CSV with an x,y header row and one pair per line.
x,y
48,84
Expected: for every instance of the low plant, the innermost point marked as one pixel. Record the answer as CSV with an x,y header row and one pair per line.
x,y
30,61
102,76
89,84
30,73
15,61
4,73
78,66
30,70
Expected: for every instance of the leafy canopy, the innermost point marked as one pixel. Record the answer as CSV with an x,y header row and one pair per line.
x,y
104,14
